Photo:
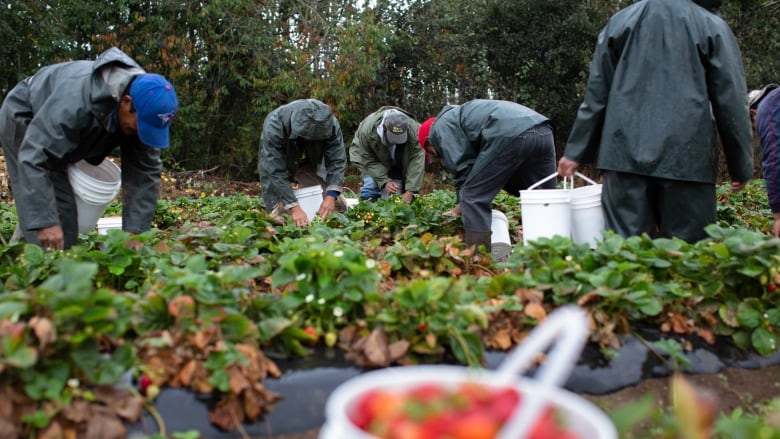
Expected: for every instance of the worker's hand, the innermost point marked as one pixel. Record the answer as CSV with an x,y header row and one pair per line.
x,y
299,217
776,226
327,207
455,211
408,197
51,238
566,167
737,186
391,187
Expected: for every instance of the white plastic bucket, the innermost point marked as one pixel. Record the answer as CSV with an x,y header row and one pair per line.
x,y
587,217
310,199
94,187
545,212
501,244
108,223
351,202
567,326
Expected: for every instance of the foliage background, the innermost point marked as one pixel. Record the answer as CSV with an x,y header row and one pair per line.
x,y
233,61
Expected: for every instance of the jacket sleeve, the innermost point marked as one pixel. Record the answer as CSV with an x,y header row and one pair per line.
x,y
585,137
415,170
273,160
727,77
335,155
768,127
49,137
141,168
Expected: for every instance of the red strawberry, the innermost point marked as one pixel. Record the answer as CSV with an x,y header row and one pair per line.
x,y
143,383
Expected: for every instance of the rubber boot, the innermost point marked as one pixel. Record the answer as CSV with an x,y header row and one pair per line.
x,y
477,239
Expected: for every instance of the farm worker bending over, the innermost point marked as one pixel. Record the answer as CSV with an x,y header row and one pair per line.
x,y
386,151
83,110
489,145
765,113
301,144
665,80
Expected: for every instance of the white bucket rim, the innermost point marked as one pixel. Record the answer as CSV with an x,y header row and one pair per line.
x,y
309,190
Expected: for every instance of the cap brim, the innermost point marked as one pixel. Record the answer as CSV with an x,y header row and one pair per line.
x,y
152,136
396,139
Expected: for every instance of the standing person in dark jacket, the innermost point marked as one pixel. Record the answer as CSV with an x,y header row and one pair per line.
x,y
298,139
765,114
386,151
665,75
82,110
489,145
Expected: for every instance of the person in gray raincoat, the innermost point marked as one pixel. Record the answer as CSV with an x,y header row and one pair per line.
x,y
301,144
78,110
386,151
489,145
666,79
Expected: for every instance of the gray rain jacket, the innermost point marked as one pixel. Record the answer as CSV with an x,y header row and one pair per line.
x,y
665,80
372,158
65,113
467,137
303,126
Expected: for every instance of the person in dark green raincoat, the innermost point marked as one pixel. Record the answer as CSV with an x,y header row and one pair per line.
x,y
301,144
666,80
489,145
83,110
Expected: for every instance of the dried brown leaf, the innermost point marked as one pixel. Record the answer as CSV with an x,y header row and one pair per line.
x,y
227,414
535,310
238,382
184,377
105,425
398,349
375,348
44,330
51,431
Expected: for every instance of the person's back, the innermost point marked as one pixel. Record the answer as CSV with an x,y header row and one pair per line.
x,y
665,62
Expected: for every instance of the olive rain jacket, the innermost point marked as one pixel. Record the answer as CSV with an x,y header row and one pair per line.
x,y
65,113
372,157
768,129
666,78
282,144
467,137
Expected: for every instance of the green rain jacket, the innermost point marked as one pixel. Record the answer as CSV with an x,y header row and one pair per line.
x,y
281,146
665,80
468,136
65,113
372,158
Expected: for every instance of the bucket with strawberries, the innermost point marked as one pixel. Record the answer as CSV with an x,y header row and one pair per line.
x,y
441,401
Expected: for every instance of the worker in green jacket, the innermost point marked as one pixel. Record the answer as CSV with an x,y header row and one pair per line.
x,y
489,145
386,151
665,82
301,145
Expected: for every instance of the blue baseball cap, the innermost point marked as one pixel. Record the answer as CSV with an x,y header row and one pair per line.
x,y
155,101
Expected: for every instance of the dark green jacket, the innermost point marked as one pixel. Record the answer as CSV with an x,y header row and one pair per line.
x,y
468,136
281,146
665,80
65,113
372,158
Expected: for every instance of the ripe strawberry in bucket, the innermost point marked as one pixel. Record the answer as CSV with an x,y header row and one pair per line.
x,y
429,411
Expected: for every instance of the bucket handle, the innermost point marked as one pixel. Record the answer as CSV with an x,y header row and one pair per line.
x,y
568,326
554,174
578,174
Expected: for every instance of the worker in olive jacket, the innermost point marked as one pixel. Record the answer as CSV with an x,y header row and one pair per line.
x,y
386,151
489,145
301,144
666,79
83,110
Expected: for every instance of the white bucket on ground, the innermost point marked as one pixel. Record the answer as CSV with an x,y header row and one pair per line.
x,y
107,223
567,326
94,187
351,202
310,199
587,217
545,212
501,244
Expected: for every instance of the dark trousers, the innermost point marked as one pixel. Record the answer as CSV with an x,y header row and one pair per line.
x,y
635,204
525,160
